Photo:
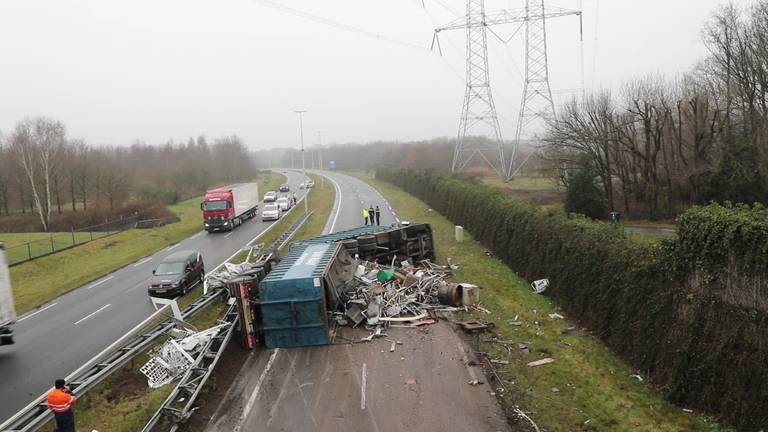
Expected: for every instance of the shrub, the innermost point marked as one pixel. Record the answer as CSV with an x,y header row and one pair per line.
x,y
689,313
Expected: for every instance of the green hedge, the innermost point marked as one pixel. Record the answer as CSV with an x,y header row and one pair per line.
x,y
686,313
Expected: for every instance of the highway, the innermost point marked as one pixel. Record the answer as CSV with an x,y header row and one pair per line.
x,y
65,333
422,386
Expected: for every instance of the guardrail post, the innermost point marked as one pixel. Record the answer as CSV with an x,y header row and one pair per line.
x,y
29,250
53,248
91,233
73,235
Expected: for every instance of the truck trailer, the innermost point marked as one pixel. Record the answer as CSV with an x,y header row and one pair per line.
x,y
7,308
227,207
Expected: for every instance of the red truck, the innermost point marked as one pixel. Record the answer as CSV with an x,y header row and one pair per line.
x,y
226,207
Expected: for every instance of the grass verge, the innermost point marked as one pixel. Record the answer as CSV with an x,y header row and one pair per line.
x,y
38,281
586,388
123,402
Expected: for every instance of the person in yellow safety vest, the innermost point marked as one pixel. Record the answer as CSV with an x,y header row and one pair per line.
x,y
365,215
60,401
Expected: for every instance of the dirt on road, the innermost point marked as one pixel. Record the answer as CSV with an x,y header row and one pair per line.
x,y
423,385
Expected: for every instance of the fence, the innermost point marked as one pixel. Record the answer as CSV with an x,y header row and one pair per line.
x,y
57,242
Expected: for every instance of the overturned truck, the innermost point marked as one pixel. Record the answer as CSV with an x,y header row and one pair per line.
x,y
291,305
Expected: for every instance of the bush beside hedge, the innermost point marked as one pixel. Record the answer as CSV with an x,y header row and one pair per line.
x,y
683,313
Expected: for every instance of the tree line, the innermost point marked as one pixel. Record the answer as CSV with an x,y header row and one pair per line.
x,y
43,171
658,146
435,154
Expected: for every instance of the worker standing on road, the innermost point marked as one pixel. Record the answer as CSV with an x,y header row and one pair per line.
x,y
60,401
378,216
371,213
294,198
365,215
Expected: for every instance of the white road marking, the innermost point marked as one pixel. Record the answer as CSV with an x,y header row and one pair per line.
x,y
99,282
230,233
133,288
36,312
255,394
338,209
362,390
145,260
174,246
92,313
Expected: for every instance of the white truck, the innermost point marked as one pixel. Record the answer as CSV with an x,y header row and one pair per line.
x,y
7,308
227,207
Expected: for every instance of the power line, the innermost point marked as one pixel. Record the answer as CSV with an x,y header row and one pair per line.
x,y
341,26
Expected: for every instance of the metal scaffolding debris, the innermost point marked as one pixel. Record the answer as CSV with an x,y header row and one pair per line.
x,y
177,355
380,295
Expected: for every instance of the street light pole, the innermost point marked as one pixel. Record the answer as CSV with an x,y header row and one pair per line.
x,y
303,171
320,157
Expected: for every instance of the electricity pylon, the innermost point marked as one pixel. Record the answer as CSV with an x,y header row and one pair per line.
x,y
478,102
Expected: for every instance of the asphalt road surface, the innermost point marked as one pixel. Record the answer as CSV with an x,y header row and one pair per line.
x,y
60,336
422,386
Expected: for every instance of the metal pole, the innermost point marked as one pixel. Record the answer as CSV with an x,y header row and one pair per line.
x,y
303,169
320,157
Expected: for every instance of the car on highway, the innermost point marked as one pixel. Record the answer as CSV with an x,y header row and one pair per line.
x,y
271,212
284,203
309,184
270,196
285,188
177,274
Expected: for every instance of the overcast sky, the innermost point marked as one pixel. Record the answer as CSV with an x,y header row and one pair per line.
x,y
156,70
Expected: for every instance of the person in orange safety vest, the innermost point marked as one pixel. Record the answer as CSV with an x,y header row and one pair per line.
x,y
60,401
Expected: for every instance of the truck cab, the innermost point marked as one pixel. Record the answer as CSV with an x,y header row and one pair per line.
x,y
218,211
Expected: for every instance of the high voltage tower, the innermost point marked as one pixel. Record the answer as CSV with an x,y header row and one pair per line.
x,y
478,105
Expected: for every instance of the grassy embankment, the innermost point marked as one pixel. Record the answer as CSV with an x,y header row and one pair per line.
x,y
124,403
38,281
587,387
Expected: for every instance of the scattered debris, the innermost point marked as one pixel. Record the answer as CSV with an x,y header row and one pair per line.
x,y
392,347
411,381
556,316
405,295
539,286
555,390
474,382
501,362
543,361
687,410
525,416
475,326
637,377
515,323
569,330
423,322
177,355
451,265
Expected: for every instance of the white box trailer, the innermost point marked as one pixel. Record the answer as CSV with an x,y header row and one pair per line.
x,y
7,308
246,198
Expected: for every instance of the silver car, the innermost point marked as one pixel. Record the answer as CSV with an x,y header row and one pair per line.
x,y
284,203
271,212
